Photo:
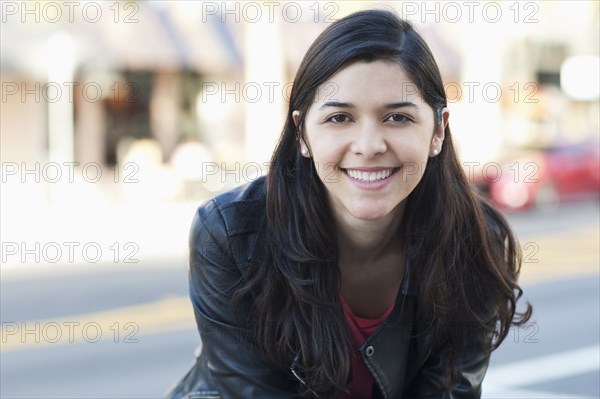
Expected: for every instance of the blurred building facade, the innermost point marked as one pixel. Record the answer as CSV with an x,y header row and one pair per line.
x,y
188,98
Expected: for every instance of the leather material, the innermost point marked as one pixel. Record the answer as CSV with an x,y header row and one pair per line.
x,y
225,238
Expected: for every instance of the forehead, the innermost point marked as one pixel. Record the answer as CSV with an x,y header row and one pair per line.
x,y
373,82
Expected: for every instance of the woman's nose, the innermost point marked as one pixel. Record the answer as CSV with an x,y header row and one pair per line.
x,y
368,141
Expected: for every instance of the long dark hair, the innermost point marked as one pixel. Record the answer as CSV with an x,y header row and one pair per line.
x,y
465,269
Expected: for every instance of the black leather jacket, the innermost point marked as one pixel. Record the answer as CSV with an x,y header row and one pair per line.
x,y
224,238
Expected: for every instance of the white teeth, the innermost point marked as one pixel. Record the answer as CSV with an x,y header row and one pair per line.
x,y
369,177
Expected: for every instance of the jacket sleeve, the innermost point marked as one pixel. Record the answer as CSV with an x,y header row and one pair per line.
x,y
235,365
427,384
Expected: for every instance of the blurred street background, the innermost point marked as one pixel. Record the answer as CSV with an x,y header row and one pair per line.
x,y
118,118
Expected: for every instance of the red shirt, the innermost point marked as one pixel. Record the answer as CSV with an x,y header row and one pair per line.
x,y
360,329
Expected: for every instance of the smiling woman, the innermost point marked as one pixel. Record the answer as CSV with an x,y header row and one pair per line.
x,y
361,143
364,265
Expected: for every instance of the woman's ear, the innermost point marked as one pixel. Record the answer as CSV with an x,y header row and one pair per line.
x,y
303,147
439,131
296,117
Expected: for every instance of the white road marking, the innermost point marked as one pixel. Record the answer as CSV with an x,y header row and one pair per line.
x,y
544,368
527,394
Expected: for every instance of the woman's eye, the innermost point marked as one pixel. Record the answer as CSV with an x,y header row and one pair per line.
x,y
339,118
398,118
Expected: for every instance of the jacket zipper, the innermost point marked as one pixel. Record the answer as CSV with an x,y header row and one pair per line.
x,y
295,373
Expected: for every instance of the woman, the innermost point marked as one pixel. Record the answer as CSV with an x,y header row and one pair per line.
x,y
363,265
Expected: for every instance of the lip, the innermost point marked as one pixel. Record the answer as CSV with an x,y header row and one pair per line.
x,y
371,168
376,185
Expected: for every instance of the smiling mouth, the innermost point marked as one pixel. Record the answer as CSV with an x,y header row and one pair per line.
x,y
370,177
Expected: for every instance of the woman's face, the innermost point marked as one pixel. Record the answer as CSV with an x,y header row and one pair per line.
x,y
370,135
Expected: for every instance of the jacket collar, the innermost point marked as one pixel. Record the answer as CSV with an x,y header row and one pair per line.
x,y
407,287
255,248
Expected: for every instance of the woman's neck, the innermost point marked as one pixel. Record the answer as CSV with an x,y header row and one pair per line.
x,y
370,261
367,241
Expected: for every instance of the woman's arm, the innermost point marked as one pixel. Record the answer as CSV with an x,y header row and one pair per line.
x,y
233,361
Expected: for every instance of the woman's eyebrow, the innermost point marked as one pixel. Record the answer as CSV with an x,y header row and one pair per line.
x,y
401,105
337,104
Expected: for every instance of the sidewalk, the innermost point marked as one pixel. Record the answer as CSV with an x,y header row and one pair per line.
x,y
96,230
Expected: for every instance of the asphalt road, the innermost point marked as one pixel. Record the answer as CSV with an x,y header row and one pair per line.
x,y
128,332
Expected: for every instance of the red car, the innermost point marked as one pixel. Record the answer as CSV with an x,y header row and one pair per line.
x,y
542,178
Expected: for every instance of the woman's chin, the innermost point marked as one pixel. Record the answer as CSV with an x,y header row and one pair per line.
x,y
373,210
371,213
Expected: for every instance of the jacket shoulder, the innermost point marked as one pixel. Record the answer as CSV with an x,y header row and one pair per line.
x,y
241,209
231,223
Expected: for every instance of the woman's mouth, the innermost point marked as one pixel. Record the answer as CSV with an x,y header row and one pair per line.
x,y
370,176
